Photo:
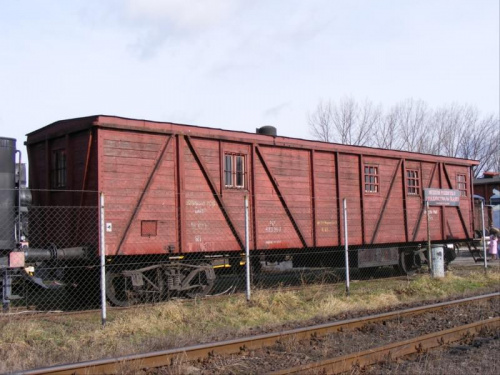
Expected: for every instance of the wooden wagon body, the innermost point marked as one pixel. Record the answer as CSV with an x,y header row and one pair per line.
x,y
172,188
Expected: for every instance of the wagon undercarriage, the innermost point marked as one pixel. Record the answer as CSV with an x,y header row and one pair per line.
x,y
158,282
196,278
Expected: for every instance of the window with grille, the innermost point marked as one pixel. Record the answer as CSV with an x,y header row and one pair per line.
x,y
234,171
462,184
371,179
413,181
58,169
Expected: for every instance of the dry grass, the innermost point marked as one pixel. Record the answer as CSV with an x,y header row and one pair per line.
x,y
65,339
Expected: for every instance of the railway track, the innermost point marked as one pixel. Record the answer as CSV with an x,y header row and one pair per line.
x,y
167,357
341,364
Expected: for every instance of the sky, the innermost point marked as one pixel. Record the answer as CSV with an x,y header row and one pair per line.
x,y
239,64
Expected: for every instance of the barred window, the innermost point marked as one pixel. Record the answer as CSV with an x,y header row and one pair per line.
x,y
58,169
371,179
462,184
240,171
228,170
413,181
234,171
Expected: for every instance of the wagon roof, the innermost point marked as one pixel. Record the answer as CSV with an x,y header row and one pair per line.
x,y
487,181
63,127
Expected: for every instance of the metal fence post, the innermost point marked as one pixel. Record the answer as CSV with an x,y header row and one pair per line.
x,y
346,242
18,232
484,237
429,254
6,290
102,246
247,249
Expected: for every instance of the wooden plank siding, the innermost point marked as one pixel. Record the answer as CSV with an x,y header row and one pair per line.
x,y
220,223
289,171
349,186
327,220
173,175
276,225
136,174
64,230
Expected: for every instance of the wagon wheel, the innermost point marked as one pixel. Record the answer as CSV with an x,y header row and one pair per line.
x,y
409,262
199,282
451,254
156,285
149,287
119,289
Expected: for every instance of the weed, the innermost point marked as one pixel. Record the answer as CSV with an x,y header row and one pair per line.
x,y
63,339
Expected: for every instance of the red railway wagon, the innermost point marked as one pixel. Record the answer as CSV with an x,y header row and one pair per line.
x,y
177,190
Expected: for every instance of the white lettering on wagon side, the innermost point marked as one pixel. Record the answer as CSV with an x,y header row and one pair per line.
x,y
200,206
272,227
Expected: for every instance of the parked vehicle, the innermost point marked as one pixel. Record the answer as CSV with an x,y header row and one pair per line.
x,y
174,196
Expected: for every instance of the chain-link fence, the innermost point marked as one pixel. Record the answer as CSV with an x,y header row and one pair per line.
x,y
49,247
72,250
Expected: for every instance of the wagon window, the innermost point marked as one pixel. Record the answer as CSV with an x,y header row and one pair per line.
x,y
413,181
371,179
240,171
58,169
228,170
462,184
234,171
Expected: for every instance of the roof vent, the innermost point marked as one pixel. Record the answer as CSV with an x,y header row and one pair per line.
x,y
267,130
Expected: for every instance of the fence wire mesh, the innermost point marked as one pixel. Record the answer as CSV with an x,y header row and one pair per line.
x,y
49,250
162,248
166,246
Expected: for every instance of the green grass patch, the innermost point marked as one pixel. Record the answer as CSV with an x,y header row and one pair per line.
x,y
63,339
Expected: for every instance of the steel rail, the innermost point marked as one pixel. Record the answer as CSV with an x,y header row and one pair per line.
x,y
368,357
165,357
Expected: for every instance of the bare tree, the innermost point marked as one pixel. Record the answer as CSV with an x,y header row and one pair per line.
x,y
482,143
346,122
452,124
321,122
386,133
368,122
412,123
449,126
454,130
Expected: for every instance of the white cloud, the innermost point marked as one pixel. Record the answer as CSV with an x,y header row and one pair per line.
x,y
162,25
240,64
193,15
